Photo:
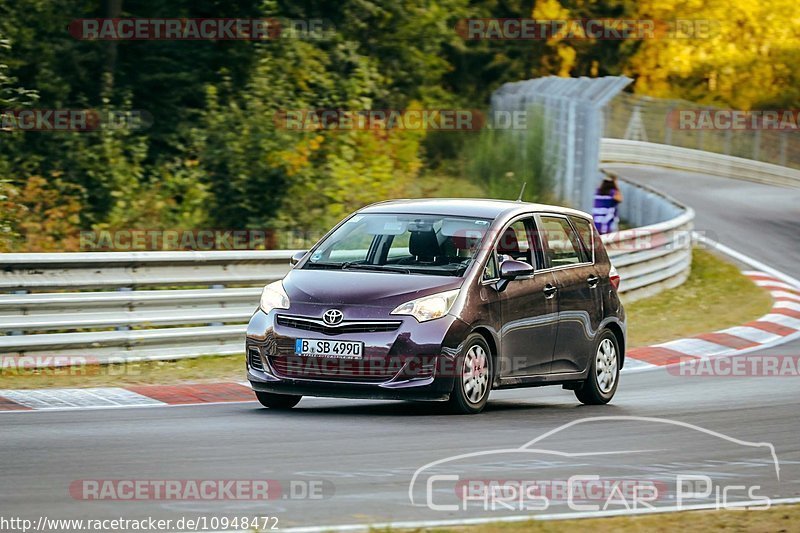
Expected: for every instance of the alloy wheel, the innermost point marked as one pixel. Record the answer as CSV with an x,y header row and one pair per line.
x,y
606,366
475,374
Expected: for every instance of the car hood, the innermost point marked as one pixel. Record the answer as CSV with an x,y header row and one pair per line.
x,y
375,289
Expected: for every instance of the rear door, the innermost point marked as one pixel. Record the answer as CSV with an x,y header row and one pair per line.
x,y
579,300
528,307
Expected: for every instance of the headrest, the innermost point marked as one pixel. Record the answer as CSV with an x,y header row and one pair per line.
x,y
508,245
424,245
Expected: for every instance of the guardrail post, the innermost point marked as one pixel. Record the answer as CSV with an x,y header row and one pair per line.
x,y
668,129
757,144
726,147
217,286
124,289
18,332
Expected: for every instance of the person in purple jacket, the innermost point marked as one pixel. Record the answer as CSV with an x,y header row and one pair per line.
x,y
606,199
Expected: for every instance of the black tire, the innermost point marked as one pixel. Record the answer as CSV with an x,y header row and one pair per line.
x,y
277,401
462,400
596,390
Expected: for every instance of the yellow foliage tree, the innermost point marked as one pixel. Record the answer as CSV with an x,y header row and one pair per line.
x,y
744,54
41,216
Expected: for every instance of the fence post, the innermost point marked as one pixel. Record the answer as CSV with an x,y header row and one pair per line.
x,y
757,145
784,136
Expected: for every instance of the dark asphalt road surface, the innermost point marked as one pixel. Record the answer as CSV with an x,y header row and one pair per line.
x,y
364,453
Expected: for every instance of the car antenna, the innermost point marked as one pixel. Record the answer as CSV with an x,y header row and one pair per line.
x,y
519,198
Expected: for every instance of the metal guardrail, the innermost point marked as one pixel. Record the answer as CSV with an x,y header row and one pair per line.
x,y
167,305
656,254
657,120
690,160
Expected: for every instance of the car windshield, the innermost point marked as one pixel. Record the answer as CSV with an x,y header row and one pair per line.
x,y
402,243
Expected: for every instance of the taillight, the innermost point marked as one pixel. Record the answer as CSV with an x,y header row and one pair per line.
x,y
613,277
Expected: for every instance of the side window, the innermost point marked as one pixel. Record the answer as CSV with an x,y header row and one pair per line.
x,y
584,228
399,248
515,242
562,247
491,271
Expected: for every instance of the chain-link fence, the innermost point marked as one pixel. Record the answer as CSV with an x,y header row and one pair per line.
x,y
571,109
689,125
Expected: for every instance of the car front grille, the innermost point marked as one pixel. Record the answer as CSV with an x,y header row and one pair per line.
x,y
321,368
347,326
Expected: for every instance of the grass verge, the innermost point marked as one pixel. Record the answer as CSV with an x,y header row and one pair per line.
x,y
780,518
715,296
197,370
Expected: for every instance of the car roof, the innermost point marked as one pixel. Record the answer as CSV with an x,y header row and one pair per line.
x,y
469,207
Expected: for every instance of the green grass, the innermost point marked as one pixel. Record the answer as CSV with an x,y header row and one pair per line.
x,y
781,518
197,370
716,296
442,186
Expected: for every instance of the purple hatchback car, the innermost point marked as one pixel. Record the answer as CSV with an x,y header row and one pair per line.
x,y
442,300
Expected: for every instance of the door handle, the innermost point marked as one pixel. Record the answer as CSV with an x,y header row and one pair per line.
x,y
549,291
592,281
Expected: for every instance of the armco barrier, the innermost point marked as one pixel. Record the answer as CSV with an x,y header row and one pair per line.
x,y
657,254
115,306
663,155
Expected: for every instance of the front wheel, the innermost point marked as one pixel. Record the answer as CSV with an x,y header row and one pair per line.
x,y
473,379
277,401
603,378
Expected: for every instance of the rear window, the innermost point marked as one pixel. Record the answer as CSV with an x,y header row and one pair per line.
x,y
586,233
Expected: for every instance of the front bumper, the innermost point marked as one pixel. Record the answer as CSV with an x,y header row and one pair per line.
x,y
413,362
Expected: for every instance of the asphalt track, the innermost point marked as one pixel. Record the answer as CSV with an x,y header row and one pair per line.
x,y
364,454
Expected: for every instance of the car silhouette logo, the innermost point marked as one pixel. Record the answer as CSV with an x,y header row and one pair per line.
x,y
332,317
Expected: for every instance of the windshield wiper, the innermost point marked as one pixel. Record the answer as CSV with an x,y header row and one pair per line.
x,y
335,266
366,266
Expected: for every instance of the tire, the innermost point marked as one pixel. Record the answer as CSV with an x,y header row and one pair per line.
x,y
473,380
277,401
600,385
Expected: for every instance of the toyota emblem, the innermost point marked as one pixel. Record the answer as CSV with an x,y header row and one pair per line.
x,y
332,317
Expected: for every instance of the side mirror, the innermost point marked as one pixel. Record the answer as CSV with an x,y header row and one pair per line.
x,y
511,269
297,257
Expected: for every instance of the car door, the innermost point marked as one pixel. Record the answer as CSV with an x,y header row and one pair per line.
x,y
528,309
579,299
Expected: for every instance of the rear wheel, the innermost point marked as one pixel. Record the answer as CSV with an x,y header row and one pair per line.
x,y
473,379
603,378
277,401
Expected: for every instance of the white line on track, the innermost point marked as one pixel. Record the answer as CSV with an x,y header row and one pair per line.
x,y
347,528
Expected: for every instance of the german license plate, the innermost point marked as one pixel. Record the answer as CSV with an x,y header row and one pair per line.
x,y
331,349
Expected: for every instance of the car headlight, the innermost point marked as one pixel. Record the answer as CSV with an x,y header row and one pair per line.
x,y
429,307
274,297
